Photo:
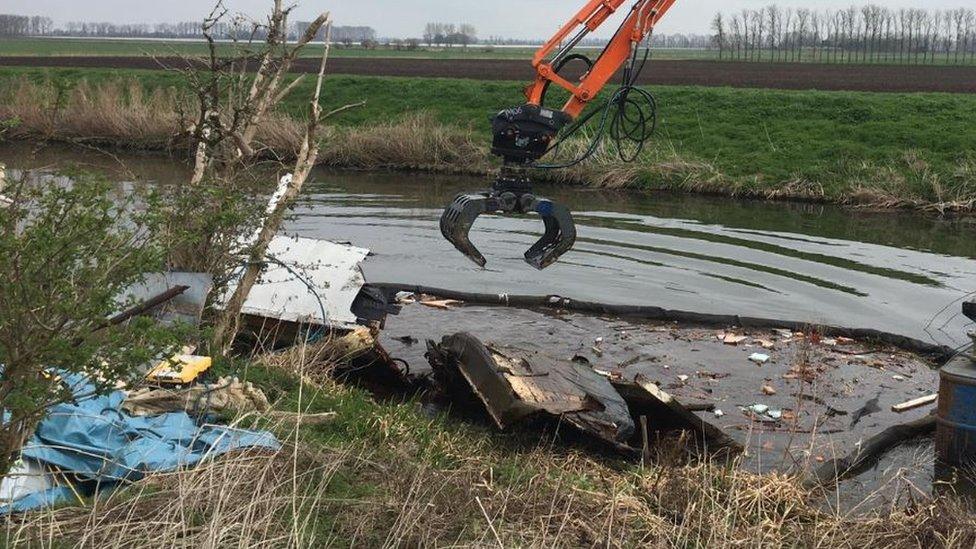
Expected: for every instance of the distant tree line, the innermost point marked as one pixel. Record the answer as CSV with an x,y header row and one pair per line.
x,y
353,35
183,29
854,35
23,25
449,34
19,26
671,41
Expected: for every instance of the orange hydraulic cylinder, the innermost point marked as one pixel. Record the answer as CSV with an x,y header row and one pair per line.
x,y
639,23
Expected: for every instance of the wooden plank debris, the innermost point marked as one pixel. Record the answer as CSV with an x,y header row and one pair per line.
x,y
915,403
733,339
442,304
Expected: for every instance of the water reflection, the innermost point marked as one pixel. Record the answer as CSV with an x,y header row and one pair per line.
x,y
818,263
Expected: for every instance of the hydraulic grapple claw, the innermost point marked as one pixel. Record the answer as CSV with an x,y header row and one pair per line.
x,y
457,220
460,215
559,238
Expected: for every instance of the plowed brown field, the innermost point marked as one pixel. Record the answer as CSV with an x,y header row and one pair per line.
x,y
793,76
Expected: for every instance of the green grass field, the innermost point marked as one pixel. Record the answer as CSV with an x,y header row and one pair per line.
x,y
763,139
778,134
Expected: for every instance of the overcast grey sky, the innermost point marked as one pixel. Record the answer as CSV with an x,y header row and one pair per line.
x,y
403,18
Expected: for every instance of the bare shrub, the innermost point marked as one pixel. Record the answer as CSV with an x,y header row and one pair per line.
x,y
67,253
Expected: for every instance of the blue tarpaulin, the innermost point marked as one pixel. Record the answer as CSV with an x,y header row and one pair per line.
x,y
39,500
95,440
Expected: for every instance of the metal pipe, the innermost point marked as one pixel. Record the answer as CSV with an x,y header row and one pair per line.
x,y
570,45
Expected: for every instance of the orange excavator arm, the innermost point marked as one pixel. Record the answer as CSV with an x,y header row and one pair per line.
x,y
523,135
639,23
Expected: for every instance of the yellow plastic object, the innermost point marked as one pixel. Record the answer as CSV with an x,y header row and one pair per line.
x,y
180,369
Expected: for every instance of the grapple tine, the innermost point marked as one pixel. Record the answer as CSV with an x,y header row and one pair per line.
x,y
457,220
510,195
559,237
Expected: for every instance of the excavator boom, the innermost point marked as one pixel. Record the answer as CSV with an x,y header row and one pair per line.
x,y
638,25
523,135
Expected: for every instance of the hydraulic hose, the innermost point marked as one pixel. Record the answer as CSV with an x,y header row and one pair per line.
x,y
629,116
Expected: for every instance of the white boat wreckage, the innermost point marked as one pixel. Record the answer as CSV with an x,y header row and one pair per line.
x,y
4,201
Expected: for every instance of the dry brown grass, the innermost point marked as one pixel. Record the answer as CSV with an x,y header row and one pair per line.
x,y
118,113
912,184
245,500
658,168
798,189
415,142
114,111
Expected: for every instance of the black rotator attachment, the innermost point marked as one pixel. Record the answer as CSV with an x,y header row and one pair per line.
x,y
510,195
524,134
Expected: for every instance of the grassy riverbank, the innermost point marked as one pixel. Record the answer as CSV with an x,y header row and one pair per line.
x,y
889,150
387,474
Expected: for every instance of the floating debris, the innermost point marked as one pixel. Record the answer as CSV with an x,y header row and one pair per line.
x,y
762,412
443,304
915,403
647,399
759,358
733,339
758,408
309,282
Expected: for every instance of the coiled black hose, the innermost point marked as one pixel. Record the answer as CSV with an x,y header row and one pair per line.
x,y
629,117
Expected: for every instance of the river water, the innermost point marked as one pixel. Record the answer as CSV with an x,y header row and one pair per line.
x,y
897,272
900,272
